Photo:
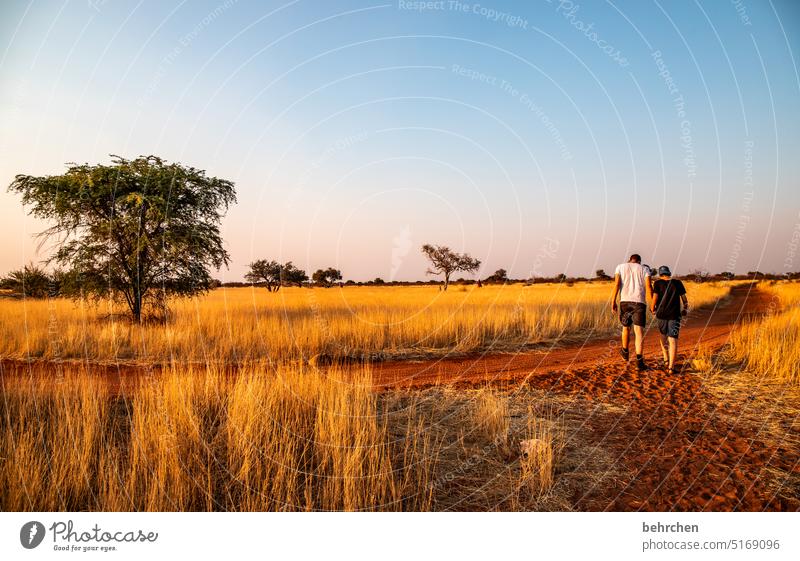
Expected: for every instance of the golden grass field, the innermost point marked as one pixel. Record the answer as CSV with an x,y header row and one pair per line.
x,y
249,324
283,435
771,346
295,439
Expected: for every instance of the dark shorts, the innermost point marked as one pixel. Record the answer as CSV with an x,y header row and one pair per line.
x,y
632,313
669,327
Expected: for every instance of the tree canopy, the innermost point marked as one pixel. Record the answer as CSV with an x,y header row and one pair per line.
x,y
445,261
326,277
267,272
273,274
137,229
499,276
291,275
30,281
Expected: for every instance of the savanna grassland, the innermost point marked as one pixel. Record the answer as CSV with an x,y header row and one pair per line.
x,y
236,416
237,325
295,438
770,347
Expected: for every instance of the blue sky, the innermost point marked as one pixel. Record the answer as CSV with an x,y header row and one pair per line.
x,y
539,136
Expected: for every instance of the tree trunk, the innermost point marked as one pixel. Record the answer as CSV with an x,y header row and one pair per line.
x,y
446,280
136,307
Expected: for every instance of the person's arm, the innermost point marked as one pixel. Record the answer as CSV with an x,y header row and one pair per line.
x,y
654,305
617,287
648,288
685,302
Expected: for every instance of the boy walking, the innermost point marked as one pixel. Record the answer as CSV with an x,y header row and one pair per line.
x,y
632,283
668,295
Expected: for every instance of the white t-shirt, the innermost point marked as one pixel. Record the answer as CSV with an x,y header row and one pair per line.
x,y
633,280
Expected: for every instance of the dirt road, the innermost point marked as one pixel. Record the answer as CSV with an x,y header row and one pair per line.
x,y
708,328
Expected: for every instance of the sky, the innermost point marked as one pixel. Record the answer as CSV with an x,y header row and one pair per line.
x,y
538,136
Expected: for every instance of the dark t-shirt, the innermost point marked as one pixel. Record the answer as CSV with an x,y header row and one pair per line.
x,y
669,293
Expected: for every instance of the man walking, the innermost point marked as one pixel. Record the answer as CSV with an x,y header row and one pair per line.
x,y
632,284
668,295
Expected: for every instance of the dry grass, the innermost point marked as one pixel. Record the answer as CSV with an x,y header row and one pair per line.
x,y
491,415
540,452
239,325
480,469
704,361
770,346
262,440
201,440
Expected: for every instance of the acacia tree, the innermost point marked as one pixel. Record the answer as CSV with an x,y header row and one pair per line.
x,y
291,275
445,261
273,274
326,277
140,230
268,272
499,276
30,281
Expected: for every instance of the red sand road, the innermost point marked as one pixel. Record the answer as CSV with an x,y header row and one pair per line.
x,y
682,448
707,328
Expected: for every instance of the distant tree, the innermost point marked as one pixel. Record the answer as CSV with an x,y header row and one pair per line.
x,y
273,274
561,277
326,277
601,274
445,261
379,281
140,230
727,275
267,272
31,281
700,275
291,275
499,276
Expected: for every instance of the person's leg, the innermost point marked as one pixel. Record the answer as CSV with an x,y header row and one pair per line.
x,y
638,332
626,319
673,350
639,320
664,346
663,332
626,335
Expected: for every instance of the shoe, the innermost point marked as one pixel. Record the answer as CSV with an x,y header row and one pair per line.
x,y
626,355
640,364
